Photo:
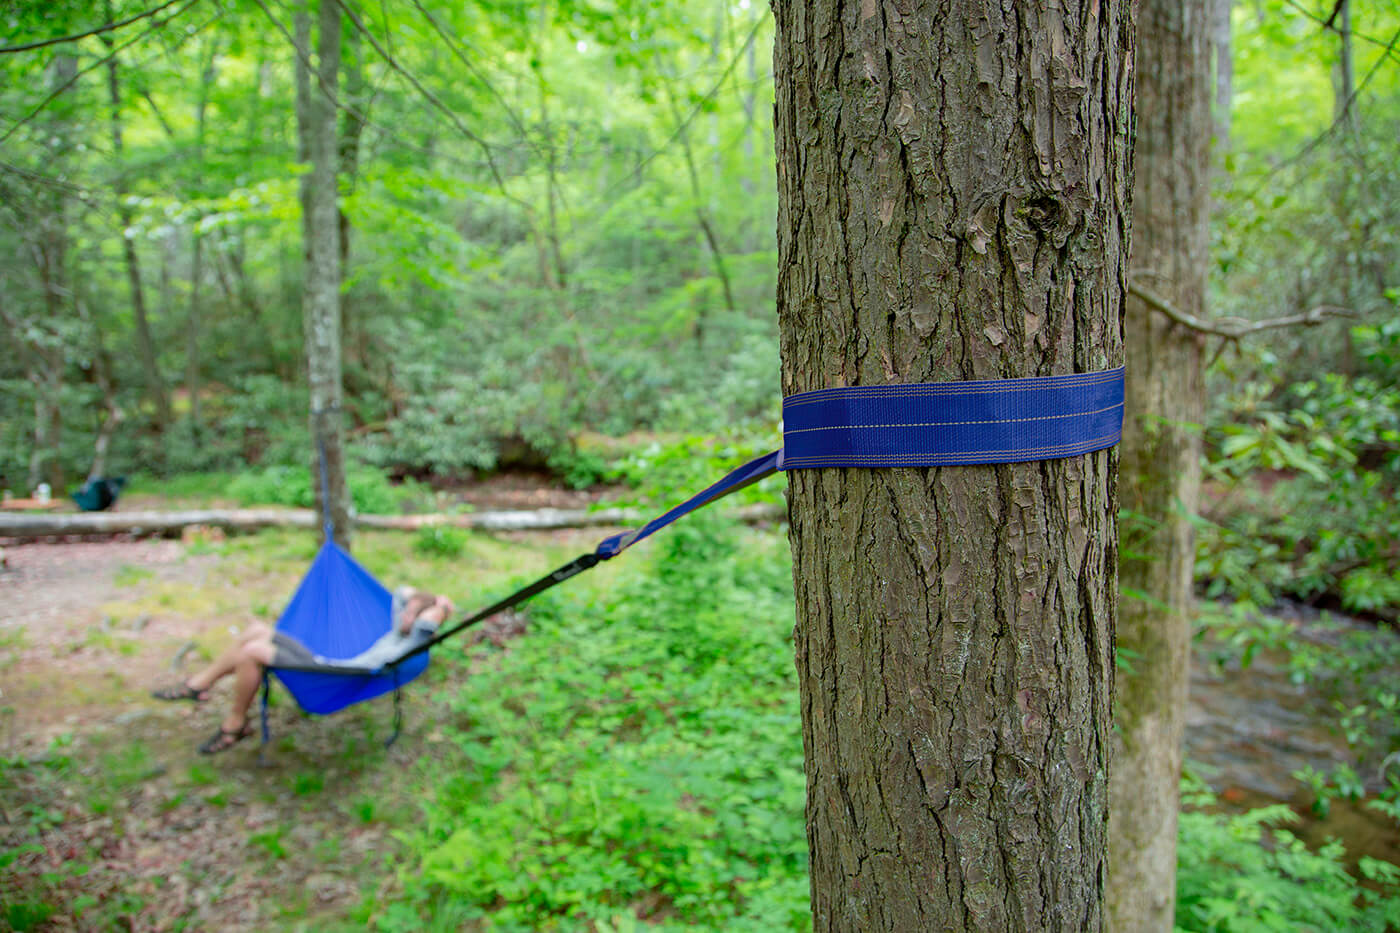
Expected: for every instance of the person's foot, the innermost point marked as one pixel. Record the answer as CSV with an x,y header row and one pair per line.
x,y
224,739
181,691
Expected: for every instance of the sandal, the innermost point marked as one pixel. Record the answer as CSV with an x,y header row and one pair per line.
x,y
223,740
181,691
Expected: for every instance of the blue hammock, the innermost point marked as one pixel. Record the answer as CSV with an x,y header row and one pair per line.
x,y
338,611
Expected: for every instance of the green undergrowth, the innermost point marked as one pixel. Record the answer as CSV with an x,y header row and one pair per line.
x,y
1308,473
1348,665
666,470
1246,873
632,761
636,758
371,491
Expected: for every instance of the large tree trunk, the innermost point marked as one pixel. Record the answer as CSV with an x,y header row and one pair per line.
x,y
321,302
1159,484
953,188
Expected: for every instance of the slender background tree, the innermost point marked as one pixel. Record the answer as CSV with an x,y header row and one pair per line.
x,y
322,229
1160,480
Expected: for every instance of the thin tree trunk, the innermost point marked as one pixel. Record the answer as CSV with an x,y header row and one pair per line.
x,y
192,328
1159,484
351,129
952,204
1224,73
40,453
50,250
102,375
145,343
702,217
1345,114
193,324
558,278
321,305
301,25
750,179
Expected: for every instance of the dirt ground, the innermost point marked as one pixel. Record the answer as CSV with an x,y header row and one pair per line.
x,y
53,623
109,819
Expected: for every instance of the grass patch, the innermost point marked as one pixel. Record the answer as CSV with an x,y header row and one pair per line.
x,y
130,575
307,783
271,842
101,638
12,644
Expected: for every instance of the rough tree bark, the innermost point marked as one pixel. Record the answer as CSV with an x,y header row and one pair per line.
x,y
1159,485
952,197
321,301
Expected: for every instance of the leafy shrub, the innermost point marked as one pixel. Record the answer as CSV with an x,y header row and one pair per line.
x,y
1245,873
371,492
641,754
1327,521
440,541
667,472
580,469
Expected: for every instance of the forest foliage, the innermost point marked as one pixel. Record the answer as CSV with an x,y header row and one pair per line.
x,y
561,224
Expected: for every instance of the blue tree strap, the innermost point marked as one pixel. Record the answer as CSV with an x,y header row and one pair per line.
x,y
926,424
954,423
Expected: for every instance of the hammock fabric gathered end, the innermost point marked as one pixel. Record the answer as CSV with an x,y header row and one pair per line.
x,y
340,608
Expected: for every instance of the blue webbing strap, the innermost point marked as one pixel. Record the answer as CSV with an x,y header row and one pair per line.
x,y
925,424
746,475
953,423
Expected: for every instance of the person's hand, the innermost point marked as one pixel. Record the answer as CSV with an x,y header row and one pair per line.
x,y
412,609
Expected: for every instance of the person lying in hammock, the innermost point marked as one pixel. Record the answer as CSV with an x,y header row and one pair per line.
x,y
417,615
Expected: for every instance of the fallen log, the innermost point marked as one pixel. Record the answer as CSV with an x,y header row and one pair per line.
x,y
171,524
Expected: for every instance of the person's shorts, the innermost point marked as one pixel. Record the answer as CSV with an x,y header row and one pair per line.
x,y
288,651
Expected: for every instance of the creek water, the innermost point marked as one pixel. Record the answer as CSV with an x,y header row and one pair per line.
x,y
1249,729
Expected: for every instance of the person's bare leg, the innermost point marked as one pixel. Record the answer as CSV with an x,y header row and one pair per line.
x,y
248,675
251,659
227,662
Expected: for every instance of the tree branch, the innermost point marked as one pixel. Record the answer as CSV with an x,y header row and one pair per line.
x,y
486,148
1233,328
112,53
391,136
105,27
